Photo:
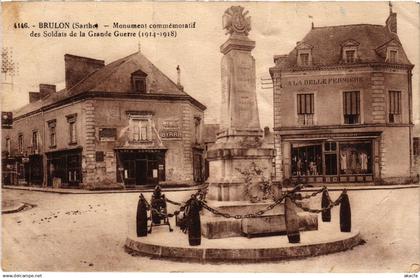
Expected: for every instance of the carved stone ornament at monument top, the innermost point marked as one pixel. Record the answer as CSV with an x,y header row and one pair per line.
x,y
236,22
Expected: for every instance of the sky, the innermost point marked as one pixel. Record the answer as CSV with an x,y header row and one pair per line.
x,y
276,27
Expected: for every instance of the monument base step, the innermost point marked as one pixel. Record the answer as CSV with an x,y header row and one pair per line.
x,y
273,224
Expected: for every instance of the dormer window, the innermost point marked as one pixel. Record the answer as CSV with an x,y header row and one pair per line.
x,y
349,50
392,55
304,59
350,56
304,54
391,51
138,82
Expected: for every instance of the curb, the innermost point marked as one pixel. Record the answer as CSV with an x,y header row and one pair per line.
x,y
82,191
14,209
241,255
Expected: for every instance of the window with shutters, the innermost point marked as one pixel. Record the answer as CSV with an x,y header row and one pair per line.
x,y
35,143
305,109
71,119
8,145
20,143
394,115
140,128
51,127
351,105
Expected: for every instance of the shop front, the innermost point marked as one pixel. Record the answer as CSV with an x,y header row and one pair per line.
x,y
64,168
333,160
140,166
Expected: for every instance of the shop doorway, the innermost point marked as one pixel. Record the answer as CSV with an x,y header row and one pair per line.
x,y
140,166
141,171
64,168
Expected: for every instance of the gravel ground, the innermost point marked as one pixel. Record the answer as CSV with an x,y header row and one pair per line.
x,y
75,232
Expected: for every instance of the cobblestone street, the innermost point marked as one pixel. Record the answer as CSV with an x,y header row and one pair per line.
x,y
87,232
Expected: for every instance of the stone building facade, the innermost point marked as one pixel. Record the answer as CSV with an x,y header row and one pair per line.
x,y
343,107
124,123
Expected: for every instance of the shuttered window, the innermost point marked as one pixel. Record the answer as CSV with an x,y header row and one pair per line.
x,y
351,105
305,104
394,106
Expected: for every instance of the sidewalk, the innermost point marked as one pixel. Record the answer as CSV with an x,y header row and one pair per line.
x,y
195,188
84,191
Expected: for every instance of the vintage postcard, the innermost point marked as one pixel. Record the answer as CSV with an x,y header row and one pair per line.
x,y
268,137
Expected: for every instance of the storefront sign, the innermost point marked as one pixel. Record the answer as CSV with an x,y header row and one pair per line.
x,y
107,134
324,81
170,129
139,150
170,134
6,119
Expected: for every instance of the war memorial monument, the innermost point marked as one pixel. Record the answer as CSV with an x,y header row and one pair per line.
x,y
242,215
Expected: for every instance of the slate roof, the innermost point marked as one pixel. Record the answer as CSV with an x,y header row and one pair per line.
x,y
327,44
114,77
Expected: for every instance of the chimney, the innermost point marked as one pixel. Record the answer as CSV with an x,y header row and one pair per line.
x,y
391,21
77,68
46,89
178,82
34,96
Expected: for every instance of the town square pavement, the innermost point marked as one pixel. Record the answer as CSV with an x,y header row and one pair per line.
x,y
87,232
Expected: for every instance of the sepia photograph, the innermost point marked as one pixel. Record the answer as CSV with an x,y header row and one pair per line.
x,y
202,137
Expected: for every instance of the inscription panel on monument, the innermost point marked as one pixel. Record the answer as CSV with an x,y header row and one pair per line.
x,y
246,111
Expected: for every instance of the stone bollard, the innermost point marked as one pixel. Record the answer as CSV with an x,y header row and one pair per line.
x,y
345,213
292,221
194,223
141,218
325,202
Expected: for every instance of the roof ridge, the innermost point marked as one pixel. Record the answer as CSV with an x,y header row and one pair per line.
x,y
349,25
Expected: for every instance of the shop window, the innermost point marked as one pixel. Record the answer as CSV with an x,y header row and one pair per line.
x,y
73,169
306,159
305,109
129,169
351,105
355,158
394,114
71,119
20,143
52,133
